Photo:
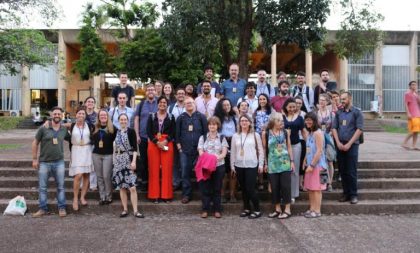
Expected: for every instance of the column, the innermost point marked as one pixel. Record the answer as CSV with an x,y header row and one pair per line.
x,y
413,56
308,67
97,90
62,71
26,93
344,75
378,78
274,65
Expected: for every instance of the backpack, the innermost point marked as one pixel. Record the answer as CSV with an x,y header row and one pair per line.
x,y
154,115
361,137
171,108
295,92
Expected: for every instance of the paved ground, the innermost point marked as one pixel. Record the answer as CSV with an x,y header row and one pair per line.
x,y
106,233
378,146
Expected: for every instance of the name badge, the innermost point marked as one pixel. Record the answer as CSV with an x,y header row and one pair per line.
x,y
323,127
101,144
190,128
55,141
234,89
344,123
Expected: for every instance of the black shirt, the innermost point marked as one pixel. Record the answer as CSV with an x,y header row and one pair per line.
x,y
107,139
295,126
127,90
168,127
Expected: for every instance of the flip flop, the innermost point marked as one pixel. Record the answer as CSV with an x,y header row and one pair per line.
x,y
284,215
138,215
124,214
274,214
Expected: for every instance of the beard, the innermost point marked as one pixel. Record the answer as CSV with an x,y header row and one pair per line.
x,y
56,120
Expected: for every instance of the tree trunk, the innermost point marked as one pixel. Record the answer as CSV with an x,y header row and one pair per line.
x,y
245,35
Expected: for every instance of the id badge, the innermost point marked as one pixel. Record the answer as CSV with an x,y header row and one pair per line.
x,y
190,128
234,89
82,142
344,123
279,147
101,144
323,127
55,141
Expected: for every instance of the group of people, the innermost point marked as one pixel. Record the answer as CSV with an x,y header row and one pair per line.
x,y
235,132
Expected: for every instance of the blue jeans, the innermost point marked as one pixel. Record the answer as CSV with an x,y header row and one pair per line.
x,y
347,163
187,164
211,190
54,169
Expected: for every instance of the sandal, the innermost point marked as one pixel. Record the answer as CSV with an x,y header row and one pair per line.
x,y
274,214
255,215
124,214
245,213
138,215
307,212
313,215
284,215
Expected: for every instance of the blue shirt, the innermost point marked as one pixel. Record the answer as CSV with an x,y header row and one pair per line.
x,y
146,109
115,112
215,89
347,122
311,151
228,88
188,137
228,127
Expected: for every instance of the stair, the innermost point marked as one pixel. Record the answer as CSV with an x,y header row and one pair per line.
x,y
384,187
27,124
371,125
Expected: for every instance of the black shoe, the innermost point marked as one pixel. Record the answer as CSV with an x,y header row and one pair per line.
x,y
102,202
344,199
354,200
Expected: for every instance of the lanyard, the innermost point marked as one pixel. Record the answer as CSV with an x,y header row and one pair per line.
x,y
243,143
160,122
101,134
55,132
178,110
206,105
81,131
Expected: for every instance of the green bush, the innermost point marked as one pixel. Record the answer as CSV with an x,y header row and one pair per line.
x,y
7,123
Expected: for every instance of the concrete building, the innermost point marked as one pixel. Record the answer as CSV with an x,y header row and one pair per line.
x,y
382,75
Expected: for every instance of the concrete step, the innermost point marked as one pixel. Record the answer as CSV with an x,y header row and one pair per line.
x,y
194,207
364,194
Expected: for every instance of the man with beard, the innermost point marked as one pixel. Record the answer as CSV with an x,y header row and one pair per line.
x,y
324,85
304,91
263,86
347,128
233,88
50,161
278,101
250,98
143,110
208,76
206,103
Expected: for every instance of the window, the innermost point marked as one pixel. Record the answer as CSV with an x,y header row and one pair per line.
x,y
361,78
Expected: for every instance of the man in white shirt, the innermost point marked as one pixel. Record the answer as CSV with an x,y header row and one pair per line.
x,y
250,98
304,91
263,86
178,108
206,103
115,112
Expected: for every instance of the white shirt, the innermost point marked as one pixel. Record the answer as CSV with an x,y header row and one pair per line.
x,y
177,110
118,111
253,104
206,108
263,88
249,158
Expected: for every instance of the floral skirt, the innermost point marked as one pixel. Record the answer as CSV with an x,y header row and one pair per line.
x,y
122,176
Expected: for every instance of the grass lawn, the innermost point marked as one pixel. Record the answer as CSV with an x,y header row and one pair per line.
x,y
9,146
395,130
7,123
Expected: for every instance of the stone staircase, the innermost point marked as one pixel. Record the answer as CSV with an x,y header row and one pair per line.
x,y
385,187
27,123
372,125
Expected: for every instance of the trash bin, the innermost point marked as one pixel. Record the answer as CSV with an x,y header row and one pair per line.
x,y
374,106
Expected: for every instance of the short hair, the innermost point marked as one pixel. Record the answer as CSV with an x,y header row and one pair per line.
x,y
123,73
324,70
262,70
159,81
150,85
243,101
250,84
205,81
411,82
207,67
179,88
334,92
273,117
82,108
281,73
286,103
90,97
300,73
234,63
123,114
346,92
57,108
214,120
284,81
326,96
163,98
122,92
314,118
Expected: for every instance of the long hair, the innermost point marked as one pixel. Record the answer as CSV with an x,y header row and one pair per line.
x,y
220,113
314,118
109,125
286,103
267,106
251,125
171,95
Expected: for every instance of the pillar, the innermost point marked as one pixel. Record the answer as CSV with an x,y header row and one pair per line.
x,y
308,67
378,78
62,71
97,89
274,65
413,56
344,74
25,93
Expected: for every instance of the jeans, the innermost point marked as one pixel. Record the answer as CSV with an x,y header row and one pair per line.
x,y
56,170
103,168
211,190
247,178
347,163
176,171
187,164
143,165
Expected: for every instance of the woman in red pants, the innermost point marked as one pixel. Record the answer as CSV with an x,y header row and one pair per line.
x,y
161,132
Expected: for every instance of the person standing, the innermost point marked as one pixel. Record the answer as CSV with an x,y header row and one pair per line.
x,y
412,108
250,98
190,91
91,117
208,76
102,140
50,161
304,91
281,76
262,114
278,101
123,87
247,161
262,86
159,88
189,127
123,176
206,103
347,128
122,107
215,144
81,163
176,110
233,88
168,92
324,86
161,133
279,164
315,161
143,110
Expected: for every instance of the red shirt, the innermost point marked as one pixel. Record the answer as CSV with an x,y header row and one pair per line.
x,y
277,102
410,99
